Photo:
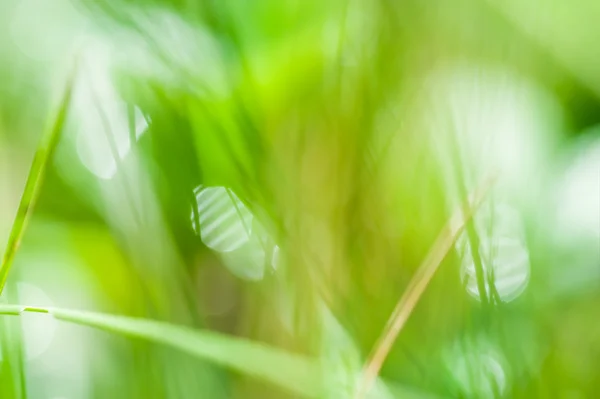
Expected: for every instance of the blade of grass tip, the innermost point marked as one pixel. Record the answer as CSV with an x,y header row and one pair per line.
x,y
296,373
34,181
418,283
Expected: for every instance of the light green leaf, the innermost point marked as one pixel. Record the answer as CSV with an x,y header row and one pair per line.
x,y
296,373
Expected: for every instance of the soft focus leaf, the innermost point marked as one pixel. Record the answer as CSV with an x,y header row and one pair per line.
x,y
293,372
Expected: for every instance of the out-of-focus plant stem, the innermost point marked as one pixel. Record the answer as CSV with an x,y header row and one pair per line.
x,y
419,282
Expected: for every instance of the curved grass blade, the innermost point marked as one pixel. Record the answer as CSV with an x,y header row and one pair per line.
x,y
296,373
34,181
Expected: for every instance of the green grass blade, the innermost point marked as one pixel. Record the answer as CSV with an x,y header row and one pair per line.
x,y
34,182
12,375
294,372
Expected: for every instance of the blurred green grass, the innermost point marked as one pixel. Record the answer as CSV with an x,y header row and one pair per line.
x,y
350,131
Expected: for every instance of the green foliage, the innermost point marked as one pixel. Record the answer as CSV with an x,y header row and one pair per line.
x,y
292,372
333,141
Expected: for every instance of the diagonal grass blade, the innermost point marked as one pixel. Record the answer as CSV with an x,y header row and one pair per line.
x,y
34,181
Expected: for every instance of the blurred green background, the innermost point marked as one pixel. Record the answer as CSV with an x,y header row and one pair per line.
x,y
276,171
